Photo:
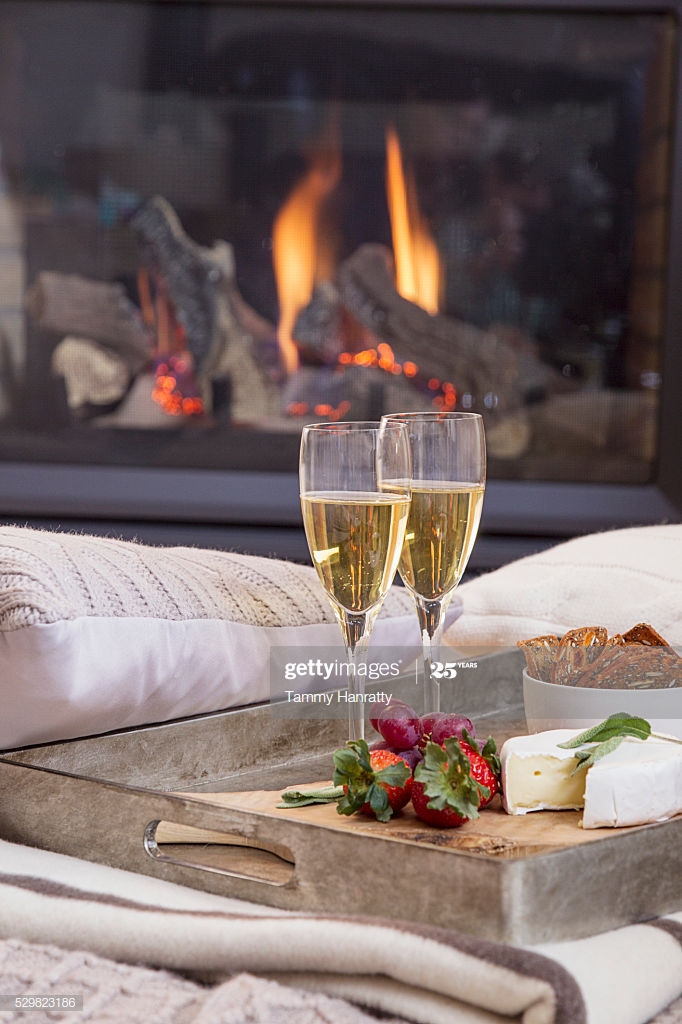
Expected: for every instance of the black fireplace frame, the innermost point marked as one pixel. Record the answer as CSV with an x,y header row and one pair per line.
x,y
259,512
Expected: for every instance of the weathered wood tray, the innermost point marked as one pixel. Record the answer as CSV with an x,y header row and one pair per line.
x,y
127,799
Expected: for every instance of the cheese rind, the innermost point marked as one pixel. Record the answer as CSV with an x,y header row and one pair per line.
x,y
638,783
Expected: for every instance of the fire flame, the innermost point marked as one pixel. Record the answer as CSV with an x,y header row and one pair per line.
x,y
417,260
302,254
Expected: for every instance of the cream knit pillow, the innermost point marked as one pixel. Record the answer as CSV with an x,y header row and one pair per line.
x,y
99,634
613,579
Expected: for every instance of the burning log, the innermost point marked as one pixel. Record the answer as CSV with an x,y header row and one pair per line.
x,y
220,328
189,272
68,304
318,326
476,361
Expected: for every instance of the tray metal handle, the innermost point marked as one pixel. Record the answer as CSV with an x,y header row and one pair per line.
x,y
225,853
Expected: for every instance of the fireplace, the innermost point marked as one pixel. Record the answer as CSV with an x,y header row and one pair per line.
x,y
221,221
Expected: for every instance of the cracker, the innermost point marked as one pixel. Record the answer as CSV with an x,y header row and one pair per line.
x,y
539,652
576,651
639,659
632,666
602,664
643,633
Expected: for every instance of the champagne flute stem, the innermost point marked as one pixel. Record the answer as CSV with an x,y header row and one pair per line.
x,y
356,628
431,617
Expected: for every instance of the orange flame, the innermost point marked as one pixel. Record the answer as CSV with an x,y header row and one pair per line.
x,y
301,254
417,260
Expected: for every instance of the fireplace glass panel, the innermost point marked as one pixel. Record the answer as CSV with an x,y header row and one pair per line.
x,y
220,222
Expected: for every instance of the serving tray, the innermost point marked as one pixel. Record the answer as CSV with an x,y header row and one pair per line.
x,y
195,801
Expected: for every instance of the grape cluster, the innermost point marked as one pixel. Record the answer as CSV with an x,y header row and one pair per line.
x,y
406,733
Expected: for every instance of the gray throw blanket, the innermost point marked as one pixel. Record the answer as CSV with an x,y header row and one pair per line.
x,y
142,949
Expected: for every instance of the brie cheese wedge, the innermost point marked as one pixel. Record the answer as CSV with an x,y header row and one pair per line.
x,y
638,783
537,773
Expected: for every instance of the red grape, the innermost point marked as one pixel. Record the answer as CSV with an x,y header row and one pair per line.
x,y
393,702
413,756
451,725
400,726
427,723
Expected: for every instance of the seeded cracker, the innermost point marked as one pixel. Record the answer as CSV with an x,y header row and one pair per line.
x,y
540,652
643,633
576,651
639,659
634,666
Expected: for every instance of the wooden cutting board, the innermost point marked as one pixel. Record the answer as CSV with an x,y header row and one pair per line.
x,y
494,833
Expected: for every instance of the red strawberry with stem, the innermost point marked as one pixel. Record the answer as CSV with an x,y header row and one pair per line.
x,y
485,764
377,782
445,793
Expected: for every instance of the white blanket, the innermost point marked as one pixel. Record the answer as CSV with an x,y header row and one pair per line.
x,y
136,947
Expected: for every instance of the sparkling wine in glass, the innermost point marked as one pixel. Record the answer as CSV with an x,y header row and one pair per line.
x,y
355,496
448,484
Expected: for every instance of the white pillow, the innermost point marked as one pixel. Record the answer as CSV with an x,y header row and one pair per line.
x,y
613,579
99,634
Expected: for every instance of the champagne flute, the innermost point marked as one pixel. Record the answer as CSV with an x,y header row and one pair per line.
x,y
448,484
355,525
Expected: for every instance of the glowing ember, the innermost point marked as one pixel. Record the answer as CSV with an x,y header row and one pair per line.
x,y
417,260
175,387
330,412
448,399
383,357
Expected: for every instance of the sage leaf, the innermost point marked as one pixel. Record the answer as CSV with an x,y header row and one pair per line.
x,y
298,798
586,758
619,724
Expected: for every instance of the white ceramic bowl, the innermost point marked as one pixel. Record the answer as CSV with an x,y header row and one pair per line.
x,y
552,706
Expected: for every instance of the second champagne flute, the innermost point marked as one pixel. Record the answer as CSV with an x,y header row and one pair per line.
x,y
448,483
354,523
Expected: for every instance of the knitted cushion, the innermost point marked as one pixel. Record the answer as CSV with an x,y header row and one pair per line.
x,y
99,634
613,579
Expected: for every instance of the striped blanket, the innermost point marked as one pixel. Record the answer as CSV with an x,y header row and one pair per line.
x,y
141,949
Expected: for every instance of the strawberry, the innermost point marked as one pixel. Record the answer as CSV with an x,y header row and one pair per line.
x,y
446,791
377,782
485,765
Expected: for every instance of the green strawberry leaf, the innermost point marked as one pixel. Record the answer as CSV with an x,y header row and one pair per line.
x,y
349,803
473,743
434,757
447,780
346,766
489,752
393,774
378,801
362,750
